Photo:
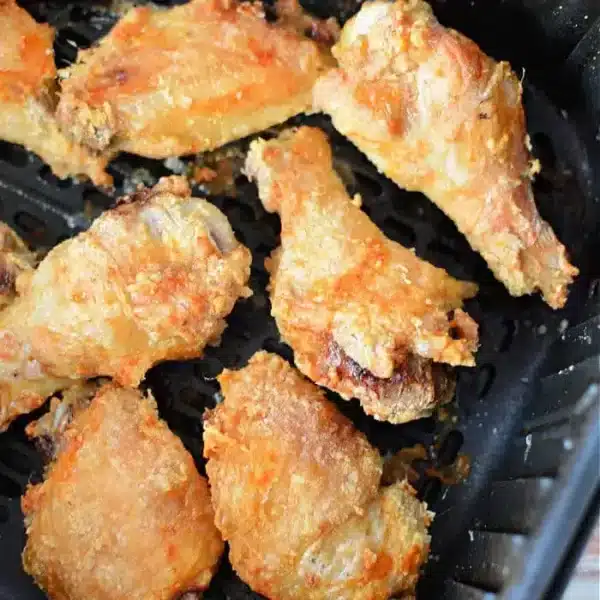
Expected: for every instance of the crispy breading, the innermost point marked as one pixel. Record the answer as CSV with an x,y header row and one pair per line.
x,y
15,260
152,279
364,315
123,512
48,432
27,97
188,79
296,493
438,116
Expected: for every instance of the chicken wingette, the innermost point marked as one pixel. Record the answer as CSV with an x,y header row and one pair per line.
x,y
123,513
188,79
27,97
437,115
151,280
296,492
364,315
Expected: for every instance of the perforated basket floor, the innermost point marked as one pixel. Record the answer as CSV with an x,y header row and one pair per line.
x,y
526,415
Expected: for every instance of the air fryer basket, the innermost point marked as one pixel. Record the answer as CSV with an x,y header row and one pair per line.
x,y
527,415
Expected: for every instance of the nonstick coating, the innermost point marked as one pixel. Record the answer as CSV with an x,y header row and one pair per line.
x,y
495,401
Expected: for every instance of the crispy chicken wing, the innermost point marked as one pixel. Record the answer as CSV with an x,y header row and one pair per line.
x,y
27,88
15,260
18,394
296,493
437,115
123,512
151,280
364,315
188,79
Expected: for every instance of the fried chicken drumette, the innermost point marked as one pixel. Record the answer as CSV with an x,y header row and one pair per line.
x,y
364,315
296,491
151,280
27,97
123,512
15,260
188,79
438,116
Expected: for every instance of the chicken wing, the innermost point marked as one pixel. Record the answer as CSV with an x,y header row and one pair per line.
x,y
296,492
15,260
169,82
123,512
27,97
151,280
364,315
438,116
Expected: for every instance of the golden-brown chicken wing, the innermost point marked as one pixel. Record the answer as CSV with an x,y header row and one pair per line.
x,y
364,315
151,280
18,393
123,512
296,493
15,260
437,115
27,87
179,81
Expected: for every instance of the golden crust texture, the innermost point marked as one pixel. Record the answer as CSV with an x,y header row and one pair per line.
x,y
192,78
151,280
437,115
296,493
123,512
27,82
364,315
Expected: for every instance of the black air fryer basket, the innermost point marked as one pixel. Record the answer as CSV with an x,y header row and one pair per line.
x,y
527,416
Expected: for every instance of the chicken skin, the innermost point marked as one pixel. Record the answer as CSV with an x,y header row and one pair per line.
x,y
438,116
15,260
364,315
151,280
188,79
27,88
296,491
123,513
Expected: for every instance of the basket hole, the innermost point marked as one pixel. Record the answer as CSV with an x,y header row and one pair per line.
x,y
13,154
30,224
510,329
398,231
449,448
4,513
9,488
485,379
49,177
